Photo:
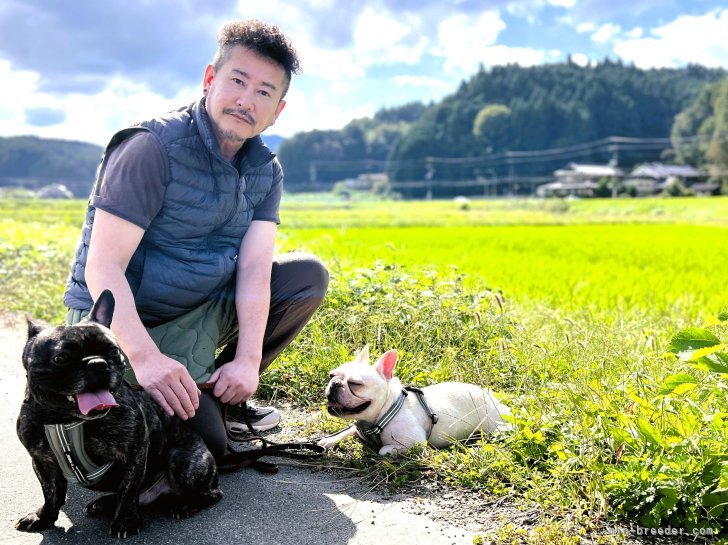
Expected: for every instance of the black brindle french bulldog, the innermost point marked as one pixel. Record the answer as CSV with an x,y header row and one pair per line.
x,y
128,444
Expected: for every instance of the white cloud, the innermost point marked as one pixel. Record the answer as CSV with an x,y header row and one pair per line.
x,y
606,32
380,37
687,39
580,59
583,28
501,54
562,3
377,30
462,39
319,110
89,118
423,81
635,33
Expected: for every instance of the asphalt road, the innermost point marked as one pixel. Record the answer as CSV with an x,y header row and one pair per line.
x,y
299,505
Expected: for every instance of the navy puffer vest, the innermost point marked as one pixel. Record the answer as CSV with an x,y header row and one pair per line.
x,y
189,251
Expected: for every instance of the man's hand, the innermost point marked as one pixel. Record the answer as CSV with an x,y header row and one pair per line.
x,y
235,381
168,382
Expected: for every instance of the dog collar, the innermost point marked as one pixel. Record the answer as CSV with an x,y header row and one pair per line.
x,y
66,441
372,433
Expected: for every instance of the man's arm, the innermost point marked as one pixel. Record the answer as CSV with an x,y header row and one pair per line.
x,y
237,380
113,242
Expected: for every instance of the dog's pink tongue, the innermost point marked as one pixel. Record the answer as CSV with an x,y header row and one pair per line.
x,y
95,401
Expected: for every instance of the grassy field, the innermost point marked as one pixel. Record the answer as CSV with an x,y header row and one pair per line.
x,y
568,309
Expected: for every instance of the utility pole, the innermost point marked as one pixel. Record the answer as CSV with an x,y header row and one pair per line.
x,y
429,174
312,174
509,155
614,163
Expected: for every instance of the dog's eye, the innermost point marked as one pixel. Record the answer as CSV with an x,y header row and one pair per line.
x,y
61,358
354,383
114,352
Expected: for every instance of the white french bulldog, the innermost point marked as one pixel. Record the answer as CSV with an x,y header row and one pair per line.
x,y
368,395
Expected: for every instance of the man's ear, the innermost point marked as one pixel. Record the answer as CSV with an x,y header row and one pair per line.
x,y
281,105
363,355
385,365
103,309
208,77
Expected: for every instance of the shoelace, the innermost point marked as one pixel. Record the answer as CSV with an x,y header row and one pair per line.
x,y
250,456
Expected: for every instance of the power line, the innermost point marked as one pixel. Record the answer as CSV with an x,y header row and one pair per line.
x,y
612,144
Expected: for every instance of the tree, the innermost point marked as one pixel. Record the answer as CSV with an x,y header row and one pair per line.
x,y
492,127
717,152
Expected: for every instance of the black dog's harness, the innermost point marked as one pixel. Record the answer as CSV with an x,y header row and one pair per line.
x,y
66,441
372,433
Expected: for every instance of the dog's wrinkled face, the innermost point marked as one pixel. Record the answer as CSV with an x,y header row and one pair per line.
x,y
74,369
358,390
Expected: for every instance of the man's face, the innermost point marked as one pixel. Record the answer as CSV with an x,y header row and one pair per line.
x,y
243,97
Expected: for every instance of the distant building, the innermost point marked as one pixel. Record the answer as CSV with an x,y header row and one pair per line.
x,y
579,180
54,191
365,182
662,172
655,178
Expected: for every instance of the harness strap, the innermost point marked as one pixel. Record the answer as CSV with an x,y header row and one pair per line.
x,y
66,442
421,398
371,433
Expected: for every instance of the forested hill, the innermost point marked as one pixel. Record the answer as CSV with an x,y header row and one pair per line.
x,y
507,108
33,162
504,109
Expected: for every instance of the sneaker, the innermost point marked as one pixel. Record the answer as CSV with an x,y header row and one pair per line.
x,y
261,418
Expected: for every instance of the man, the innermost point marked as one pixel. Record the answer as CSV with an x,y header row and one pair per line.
x,y
181,227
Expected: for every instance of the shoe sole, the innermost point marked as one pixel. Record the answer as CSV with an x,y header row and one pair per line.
x,y
242,428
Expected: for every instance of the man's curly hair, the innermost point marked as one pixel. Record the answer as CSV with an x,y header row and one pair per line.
x,y
264,39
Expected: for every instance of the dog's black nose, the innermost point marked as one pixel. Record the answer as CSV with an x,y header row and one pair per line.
x,y
333,388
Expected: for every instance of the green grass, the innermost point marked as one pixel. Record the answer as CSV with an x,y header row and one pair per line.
x,y
594,291
568,267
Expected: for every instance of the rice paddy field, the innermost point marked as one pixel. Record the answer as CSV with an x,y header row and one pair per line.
x,y
602,323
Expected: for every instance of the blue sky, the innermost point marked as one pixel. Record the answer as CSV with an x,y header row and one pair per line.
x,y
82,69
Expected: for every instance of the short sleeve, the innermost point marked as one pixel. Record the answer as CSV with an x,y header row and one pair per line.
x,y
269,207
132,180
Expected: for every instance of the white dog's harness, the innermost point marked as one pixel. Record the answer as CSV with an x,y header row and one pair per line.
x,y
66,441
372,433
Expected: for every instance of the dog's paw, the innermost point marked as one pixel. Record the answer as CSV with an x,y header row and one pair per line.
x,y
33,523
183,509
105,506
129,526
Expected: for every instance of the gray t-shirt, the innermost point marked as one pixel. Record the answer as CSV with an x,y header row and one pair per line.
x,y
133,180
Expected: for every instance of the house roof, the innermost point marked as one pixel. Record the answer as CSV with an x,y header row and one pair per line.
x,y
660,170
589,171
569,185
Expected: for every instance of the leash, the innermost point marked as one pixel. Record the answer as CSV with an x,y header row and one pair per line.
x,y
250,457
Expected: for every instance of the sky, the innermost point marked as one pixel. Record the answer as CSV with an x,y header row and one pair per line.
x,y
83,69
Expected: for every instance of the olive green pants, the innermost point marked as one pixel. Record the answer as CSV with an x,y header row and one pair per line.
x,y
298,285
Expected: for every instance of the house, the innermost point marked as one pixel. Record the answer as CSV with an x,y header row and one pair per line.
x,y
653,178
579,180
662,172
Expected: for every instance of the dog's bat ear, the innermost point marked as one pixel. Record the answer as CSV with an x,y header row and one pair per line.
x,y
103,309
363,355
385,365
33,327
